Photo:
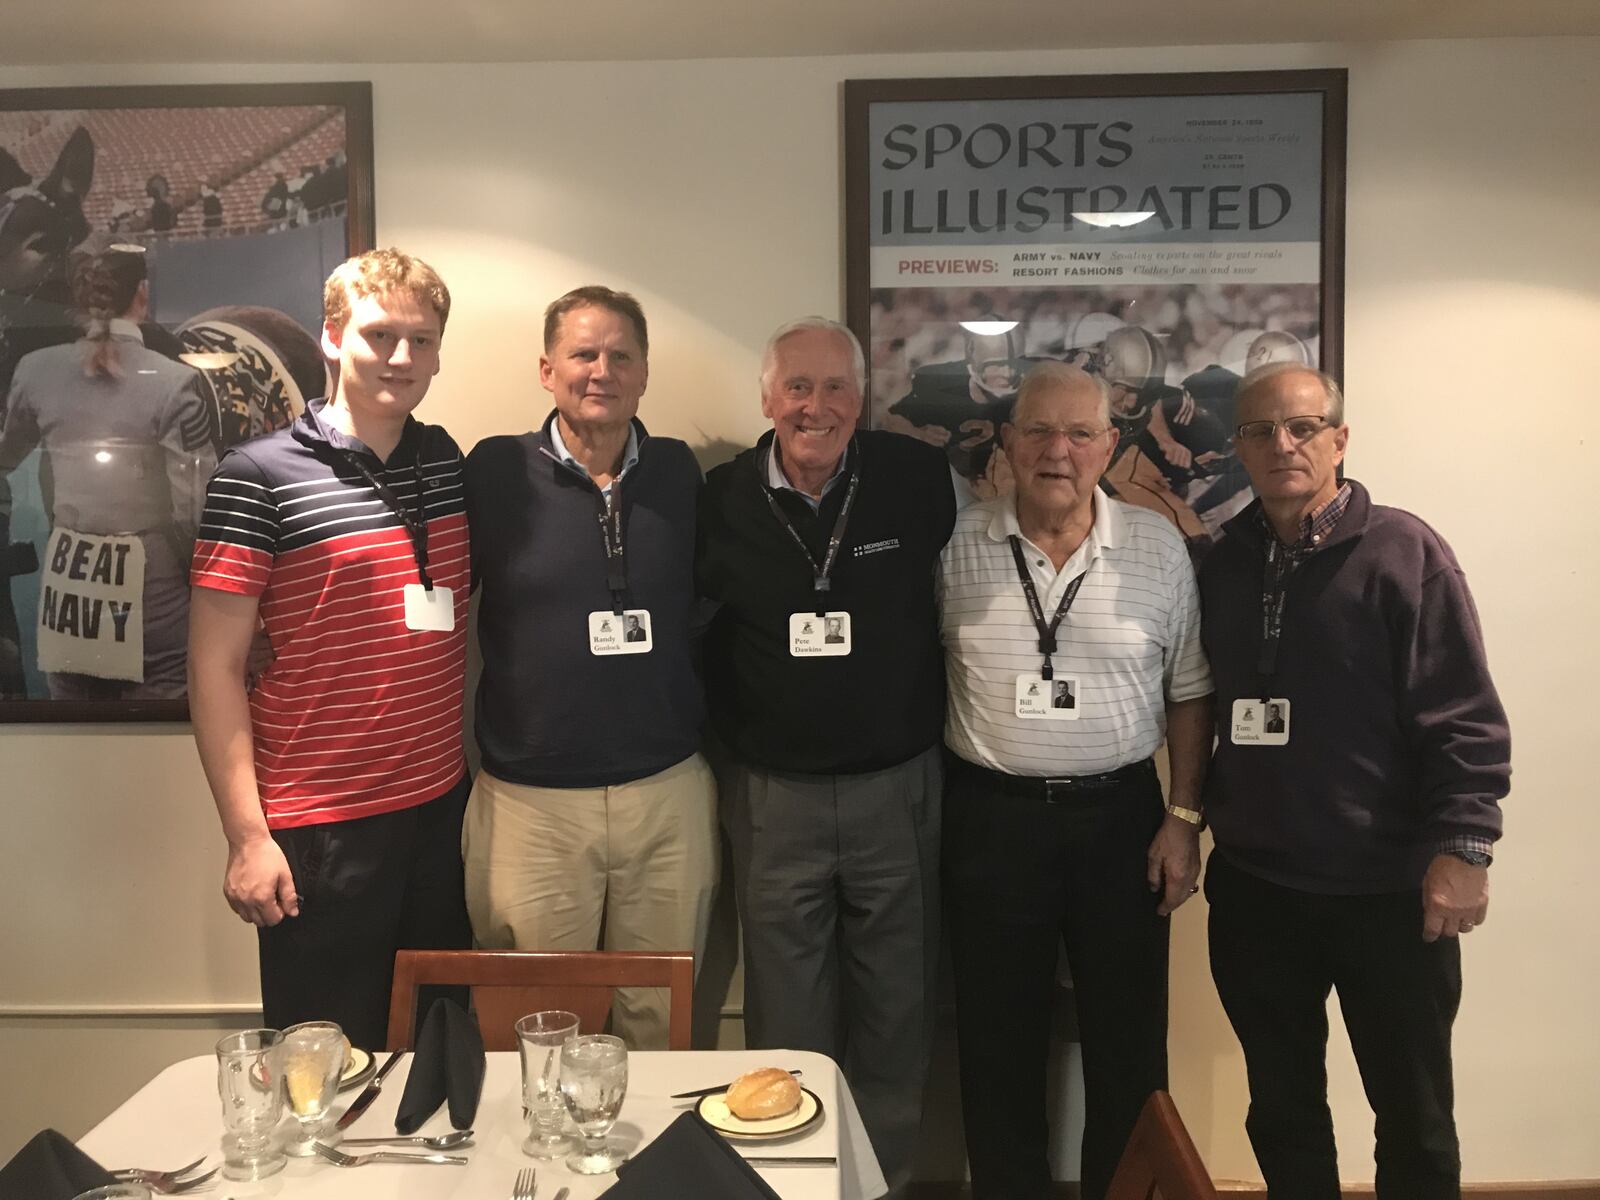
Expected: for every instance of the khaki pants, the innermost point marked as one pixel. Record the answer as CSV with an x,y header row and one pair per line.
x,y
562,868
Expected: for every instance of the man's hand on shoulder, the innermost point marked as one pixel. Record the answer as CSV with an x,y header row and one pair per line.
x,y
258,883
1455,897
1173,863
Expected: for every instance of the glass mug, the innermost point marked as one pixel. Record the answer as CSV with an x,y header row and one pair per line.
x,y
251,1091
540,1037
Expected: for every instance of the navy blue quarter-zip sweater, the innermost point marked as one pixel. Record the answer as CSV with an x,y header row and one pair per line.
x,y
549,713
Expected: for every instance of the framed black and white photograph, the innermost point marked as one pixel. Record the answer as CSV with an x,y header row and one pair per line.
x,y
1166,232
162,255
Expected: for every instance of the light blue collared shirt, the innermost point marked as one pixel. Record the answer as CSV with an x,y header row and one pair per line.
x,y
630,452
776,479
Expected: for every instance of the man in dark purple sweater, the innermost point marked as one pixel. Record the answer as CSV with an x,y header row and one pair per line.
x,y
1354,796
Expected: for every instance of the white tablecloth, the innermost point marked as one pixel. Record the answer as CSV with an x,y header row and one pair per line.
x,y
177,1116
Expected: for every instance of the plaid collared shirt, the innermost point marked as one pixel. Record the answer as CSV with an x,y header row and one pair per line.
x,y
1314,530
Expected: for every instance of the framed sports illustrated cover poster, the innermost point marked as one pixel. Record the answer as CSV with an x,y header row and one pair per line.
x,y
1166,232
162,255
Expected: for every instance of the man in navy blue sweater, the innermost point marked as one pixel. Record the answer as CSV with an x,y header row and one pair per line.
x,y
1354,796
594,816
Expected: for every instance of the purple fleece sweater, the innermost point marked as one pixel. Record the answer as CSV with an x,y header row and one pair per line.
x,y
1397,738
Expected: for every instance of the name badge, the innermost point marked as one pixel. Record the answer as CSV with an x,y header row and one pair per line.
x,y
1261,722
430,612
811,636
627,634
1041,699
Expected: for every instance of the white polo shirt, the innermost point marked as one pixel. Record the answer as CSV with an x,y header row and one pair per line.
x,y
1131,640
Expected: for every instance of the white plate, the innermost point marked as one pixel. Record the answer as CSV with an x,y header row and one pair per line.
x,y
358,1068
714,1108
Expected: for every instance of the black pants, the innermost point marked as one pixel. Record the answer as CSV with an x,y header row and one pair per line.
x,y
1022,876
367,888
1275,954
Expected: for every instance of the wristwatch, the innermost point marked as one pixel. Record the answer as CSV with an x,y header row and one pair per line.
x,y
1192,815
1473,858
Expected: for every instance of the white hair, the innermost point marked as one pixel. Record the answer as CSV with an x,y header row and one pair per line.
x,y
1051,375
769,356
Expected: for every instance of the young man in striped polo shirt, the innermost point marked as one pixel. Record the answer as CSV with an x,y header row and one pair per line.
x,y
339,777
1055,829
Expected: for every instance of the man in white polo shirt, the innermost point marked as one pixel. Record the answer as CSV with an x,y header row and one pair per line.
x,y
1055,827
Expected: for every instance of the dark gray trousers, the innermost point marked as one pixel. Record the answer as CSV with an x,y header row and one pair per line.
x,y
837,878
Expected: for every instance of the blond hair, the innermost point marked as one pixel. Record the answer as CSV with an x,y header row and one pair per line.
x,y
381,273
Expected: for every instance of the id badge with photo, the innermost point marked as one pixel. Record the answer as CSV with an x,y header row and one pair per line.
x,y
813,636
1261,722
627,634
430,612
1041,699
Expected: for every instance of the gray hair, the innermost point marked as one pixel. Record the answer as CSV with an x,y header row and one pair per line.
x,y
769,356
1334,409
1051,375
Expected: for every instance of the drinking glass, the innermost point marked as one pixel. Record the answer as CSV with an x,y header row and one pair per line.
x,y
252,1103
540,1037
312,1055
594,1079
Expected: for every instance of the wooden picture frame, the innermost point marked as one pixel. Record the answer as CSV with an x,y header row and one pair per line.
x,y
1164,231
238,200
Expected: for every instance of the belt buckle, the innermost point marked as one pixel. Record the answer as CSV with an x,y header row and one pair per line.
x,y
1050,786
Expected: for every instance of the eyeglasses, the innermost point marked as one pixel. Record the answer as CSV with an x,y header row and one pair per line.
x,y
1078,436
1300,429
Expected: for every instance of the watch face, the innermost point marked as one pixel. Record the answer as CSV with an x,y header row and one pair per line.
x,y
1473,858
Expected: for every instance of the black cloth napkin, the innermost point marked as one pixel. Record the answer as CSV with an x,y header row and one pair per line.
x,y
449,1062
689,1161
50,1168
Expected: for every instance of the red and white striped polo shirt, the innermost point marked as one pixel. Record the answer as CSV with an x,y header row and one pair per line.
x,y
357,715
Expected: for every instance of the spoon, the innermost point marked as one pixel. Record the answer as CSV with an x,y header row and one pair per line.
x,y
438,1141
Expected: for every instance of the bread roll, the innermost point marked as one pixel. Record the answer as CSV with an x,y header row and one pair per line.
x,y
762,1094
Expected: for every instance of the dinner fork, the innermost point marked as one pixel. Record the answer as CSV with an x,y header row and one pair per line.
x,y
184,1185
155,1179
523,1188
340,1159
177,1187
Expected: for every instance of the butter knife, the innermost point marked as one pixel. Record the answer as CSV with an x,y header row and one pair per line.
x,y
369,1093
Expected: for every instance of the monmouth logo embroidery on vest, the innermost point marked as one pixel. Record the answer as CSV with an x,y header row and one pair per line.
x,y
878,547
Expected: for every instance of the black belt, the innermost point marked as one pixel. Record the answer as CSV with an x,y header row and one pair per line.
x,y
1060,788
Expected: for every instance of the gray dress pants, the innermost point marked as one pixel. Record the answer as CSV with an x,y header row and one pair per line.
x,y
837,879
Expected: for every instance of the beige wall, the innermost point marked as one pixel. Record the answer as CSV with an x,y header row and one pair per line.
x,y
712,189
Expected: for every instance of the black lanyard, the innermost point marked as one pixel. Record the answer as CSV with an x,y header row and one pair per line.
x,y
1274,599
416,523
820,574
615,544
1047,633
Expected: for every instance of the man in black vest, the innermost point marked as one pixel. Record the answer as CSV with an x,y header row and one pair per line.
x,y
826,687
594,809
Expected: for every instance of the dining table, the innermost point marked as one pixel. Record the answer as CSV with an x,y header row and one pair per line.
x,y
177,1116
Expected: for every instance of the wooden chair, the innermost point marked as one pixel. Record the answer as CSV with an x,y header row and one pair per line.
x,y
509,984
1160,1162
